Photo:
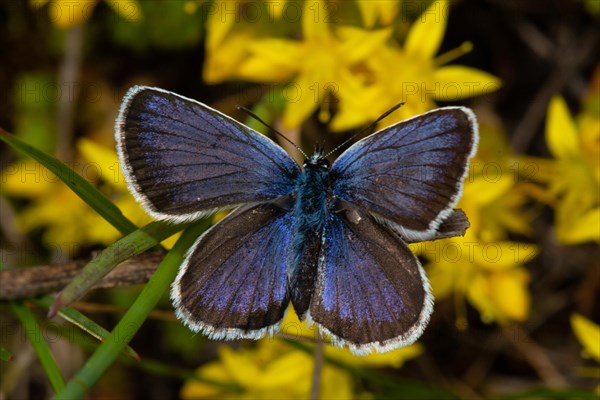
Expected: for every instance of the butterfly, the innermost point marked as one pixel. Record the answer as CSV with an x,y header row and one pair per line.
x,y
329,239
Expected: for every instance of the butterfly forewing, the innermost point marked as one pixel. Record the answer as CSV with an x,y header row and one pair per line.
x,y
233,283
183,158
410,173
371,292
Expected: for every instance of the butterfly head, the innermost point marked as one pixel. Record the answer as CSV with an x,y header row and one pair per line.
x,y
317,160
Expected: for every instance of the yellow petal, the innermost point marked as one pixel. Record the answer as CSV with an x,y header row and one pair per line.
x,y
301,102
218,24
193,389
369,11
510,294
590,142
336,384
276,8
259,69
495,256
457,82
224,62
585,228
28,178
588,334
561,133
353,94
282,52
478,293
292,326
385,10
442,279
239,366
359,43
489,186
102,163
427,32
66,14
395,358
286,370
316,20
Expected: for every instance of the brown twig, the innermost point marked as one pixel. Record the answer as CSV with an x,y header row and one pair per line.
x,y
568,57
69,80
535,356
317,371
34,281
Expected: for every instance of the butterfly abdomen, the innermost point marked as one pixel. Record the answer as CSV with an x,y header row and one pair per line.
x,y
310,216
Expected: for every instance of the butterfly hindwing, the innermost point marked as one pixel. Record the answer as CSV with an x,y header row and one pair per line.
x,y
371,291
184,159
410,173
233,283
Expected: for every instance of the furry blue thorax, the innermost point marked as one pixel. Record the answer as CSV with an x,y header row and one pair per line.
x,y
311,210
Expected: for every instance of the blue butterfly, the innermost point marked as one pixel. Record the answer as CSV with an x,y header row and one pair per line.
x,y
332,240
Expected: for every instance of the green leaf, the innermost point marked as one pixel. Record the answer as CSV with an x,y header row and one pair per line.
x,y
135,243
81,187
83,322
34,334
108,352
5,355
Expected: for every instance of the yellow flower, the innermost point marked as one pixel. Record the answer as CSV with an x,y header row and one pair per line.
x,y
272,370
67,13
490,275
412,75
223,61
588,334
67,221
574,179
228,35
372,11
319,65
497,189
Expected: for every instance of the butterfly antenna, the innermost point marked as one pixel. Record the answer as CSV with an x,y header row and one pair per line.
x,y
256,117
371,125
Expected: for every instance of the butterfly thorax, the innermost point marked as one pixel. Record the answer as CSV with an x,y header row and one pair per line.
x,y
311,210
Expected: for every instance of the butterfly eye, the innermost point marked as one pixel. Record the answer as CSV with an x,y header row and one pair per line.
x,y
323,164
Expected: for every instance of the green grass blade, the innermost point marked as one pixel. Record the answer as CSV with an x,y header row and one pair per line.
x,y
82,322
34,334
81,187
108,352
129,246
5,355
